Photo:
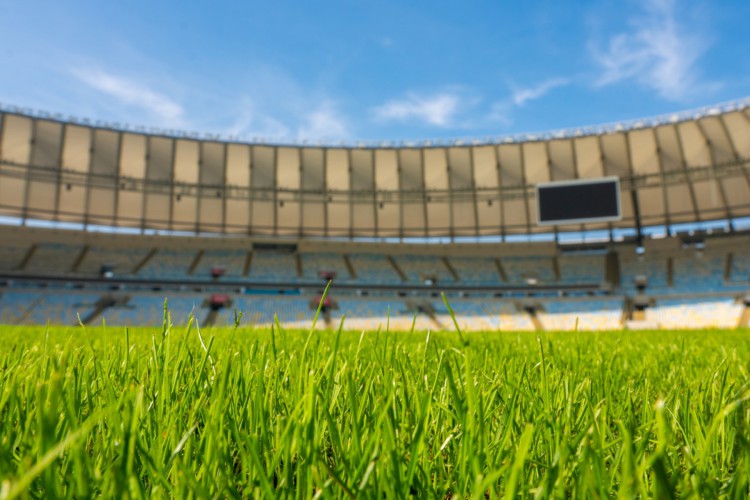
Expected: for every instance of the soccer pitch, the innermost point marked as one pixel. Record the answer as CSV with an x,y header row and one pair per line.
x,y
243,412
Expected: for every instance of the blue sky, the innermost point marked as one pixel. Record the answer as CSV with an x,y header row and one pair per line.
x,y
349,70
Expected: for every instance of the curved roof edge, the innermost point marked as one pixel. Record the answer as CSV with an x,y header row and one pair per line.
x,y
589,130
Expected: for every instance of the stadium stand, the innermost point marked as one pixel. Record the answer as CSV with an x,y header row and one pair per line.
x,y
374,268
315,263
522,269
695,312
418,268
582,268
168,264
270,266
122,261
264,240
476,270
587,314
53,258
12,255
231,262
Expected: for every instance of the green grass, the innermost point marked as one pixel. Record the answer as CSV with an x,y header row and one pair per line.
x,y
250,413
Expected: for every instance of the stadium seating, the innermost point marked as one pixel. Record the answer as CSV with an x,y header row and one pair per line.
x,y
698,271
419,267
121,260
148,309
15,305
231,261
53,258
587,314
269,266
168,264
476,270
25,307
374,268
315,263
740,271
695,313
521,269
653,268
582,269
11,255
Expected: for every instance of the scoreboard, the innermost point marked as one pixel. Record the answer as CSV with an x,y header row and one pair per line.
x,y
577,202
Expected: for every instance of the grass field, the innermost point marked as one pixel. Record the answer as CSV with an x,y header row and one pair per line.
x,y
237,413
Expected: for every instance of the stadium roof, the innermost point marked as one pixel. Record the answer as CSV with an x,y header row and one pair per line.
x,y
687,167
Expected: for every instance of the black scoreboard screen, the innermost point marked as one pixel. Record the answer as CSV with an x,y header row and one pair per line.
x,y
576,202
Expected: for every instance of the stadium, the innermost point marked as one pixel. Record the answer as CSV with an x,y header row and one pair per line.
x,y
103,222
323,293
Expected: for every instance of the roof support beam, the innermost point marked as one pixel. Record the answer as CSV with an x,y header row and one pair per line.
x,y
147,154
63,134
171,187
525,190
473,182
324,182
224,190
27,187
451,226
399,179
118,174
500,205
683,162
423,184
634,193
660,163
717,183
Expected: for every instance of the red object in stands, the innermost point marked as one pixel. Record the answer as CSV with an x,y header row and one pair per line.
x,y
219,299
326,303
217,272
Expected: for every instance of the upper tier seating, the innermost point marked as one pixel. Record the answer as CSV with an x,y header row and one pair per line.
x,y
122,260
654,268
53,258
418,267
740,272
272,266
373,268
168,264
698,272
12,255
315,263
582,269
232,261
476,270
520,269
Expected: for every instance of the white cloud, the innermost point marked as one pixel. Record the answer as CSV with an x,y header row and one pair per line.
x,y
325,122
275,106
522,95
659,53
438,110
133,93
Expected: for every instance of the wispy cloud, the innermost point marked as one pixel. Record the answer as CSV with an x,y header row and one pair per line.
x,y
523,95
659,52
439,110
133,93
502,111
275,106
324,122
